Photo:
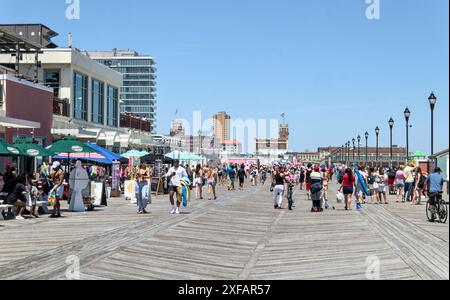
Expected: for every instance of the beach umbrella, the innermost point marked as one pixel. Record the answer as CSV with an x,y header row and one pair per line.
x,y
135,153
69,145
28,148
8,150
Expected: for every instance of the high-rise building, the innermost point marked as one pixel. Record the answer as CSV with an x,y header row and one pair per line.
x,y
138,93
221,127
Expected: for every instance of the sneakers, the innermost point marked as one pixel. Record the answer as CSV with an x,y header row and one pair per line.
x,y
20,218
173,211
177,211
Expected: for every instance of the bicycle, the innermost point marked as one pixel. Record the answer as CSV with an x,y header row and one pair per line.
x,y
437,208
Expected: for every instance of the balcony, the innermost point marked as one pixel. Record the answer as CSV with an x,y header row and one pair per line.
x,y
61,107
131,121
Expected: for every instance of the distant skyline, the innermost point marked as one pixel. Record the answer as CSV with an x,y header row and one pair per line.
x,y
334,73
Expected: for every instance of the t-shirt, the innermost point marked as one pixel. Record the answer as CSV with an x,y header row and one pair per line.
x,y
400,177
409,174
348,182
180,173
435,182
17,194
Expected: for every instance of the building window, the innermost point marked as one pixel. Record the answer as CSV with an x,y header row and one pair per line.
x,y
52,80
80,96
97,101
113,98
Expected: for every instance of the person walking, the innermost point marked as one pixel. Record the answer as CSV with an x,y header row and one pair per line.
x,y
57,179
231,172
308,172
302,177
371,185
326,180
383,186
409,182
211,178
316,189
419,185
174,176
360,191
198,182
348,187
143,193
278,190
241,176
400,184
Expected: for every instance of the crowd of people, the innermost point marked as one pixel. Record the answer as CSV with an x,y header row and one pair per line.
x,y
356,184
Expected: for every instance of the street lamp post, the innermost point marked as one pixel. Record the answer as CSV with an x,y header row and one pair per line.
x,y
348,153
359,148
377,132
367,148
407,117
354,149
432,99
199,142
391,126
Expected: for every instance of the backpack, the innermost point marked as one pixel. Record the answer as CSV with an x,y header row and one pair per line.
x,y
392,174
371,179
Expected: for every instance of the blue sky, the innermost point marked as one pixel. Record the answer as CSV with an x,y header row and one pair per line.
x,y
334,72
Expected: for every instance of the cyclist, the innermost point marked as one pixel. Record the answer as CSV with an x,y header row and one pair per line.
x,y
435,183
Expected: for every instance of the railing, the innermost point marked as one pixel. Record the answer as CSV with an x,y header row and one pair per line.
x,y
61,107
134,122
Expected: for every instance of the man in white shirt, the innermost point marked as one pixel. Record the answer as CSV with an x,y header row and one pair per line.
x,y
174,176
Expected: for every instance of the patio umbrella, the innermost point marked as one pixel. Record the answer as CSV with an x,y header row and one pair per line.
x,y
69,145
31,150
135,153
8,150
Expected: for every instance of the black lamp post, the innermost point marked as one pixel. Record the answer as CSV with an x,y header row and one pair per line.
x,y
348,153
377,132
407,117
391,126
432,99
342,153
367,147
354,149
359,148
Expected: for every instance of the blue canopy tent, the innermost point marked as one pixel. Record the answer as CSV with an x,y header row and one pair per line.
x,y
105,156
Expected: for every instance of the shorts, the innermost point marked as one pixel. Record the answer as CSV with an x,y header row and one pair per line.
x,y
348,190
391,181
212,182
173,188
241,180
382,189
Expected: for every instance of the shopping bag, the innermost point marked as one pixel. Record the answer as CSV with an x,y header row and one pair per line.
x,y
340,198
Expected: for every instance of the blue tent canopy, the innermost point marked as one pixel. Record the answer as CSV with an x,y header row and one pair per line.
x,y
109,156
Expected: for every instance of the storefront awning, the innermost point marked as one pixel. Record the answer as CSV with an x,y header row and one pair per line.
x,y
18,123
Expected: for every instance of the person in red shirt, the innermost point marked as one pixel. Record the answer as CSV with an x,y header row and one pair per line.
x,y
348,187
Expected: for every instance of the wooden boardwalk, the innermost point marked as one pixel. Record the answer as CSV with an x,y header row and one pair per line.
x,y
239,236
